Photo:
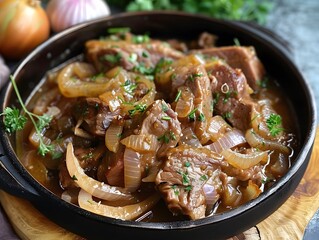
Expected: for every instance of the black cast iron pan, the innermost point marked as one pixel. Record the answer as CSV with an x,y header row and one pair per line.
x,y
15,179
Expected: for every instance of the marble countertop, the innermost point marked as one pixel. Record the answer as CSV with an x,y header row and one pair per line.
x,y
296,21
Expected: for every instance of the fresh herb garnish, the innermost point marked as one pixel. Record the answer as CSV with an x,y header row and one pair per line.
x,y
178,95
166,118
248,10
274,124
236,42
112,58
193,76
163,138
14,121
129,87
201,117
191,115
141,39
117,30
138,108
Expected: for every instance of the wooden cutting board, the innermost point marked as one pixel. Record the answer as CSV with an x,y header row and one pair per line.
x,y
288,222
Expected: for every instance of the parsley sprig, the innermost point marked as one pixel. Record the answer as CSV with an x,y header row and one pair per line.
x,y
274,124
15,121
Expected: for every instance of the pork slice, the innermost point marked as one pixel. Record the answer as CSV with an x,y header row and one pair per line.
x,y
96,115
187,172
243,58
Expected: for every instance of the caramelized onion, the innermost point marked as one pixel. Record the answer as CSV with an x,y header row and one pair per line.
x,y
113,136
244,161
257,141
188,137
252,191
72,84
230,139
211,196
141,143
185,103
132,169
92,186
217,126
128,212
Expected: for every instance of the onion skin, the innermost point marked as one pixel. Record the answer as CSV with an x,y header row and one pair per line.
x,y
24,25
66,13
128,212
94,187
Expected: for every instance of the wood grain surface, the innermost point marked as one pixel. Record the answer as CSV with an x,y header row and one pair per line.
x,y
288,222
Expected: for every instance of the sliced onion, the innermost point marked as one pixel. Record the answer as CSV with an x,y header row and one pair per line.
x,y
141,143
112,99
34,139
257,141
185,103
113,136
188,137
217,126
244,161
77,87
128,212
44,100
92,186
230,139
152,173
132,170
80,132
211,196
252,191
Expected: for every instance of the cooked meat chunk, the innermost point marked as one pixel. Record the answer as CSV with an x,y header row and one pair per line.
x,y
189,81
187,172
95,114
137,57
231,94
160,120
243,58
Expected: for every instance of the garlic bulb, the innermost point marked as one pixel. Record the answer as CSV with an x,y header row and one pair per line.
x,y
66,13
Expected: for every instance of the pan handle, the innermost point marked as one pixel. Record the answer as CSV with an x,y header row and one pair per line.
x,y
12,182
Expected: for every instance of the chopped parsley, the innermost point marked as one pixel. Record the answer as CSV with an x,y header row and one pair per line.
x,y
274,124
201,117
236,42
176,192
188,188
191,115
166,118
193,76
138,108
129,87
117,30
203,177
164,138
112,58
164,107
187,164
263,83
178,95
141,39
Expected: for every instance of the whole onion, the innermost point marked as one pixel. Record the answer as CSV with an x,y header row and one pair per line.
x,y
66,13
